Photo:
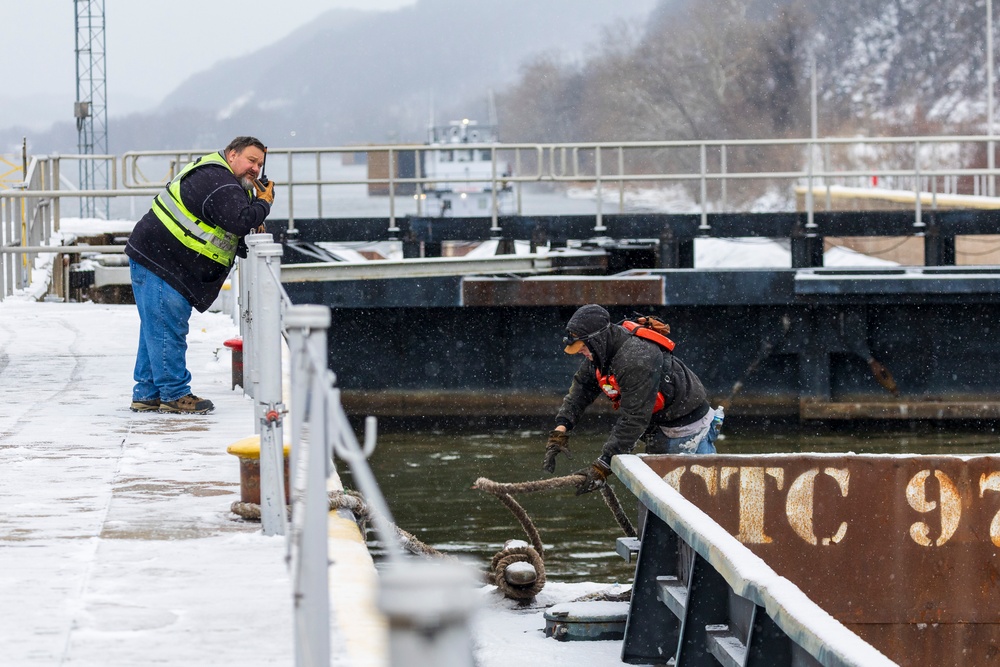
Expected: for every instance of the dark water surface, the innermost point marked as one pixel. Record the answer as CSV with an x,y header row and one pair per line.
x,y
426,477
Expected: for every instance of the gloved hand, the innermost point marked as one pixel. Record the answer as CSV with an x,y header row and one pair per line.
x,y
558,444
264,191
596,477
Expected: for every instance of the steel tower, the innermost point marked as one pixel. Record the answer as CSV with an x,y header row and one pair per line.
x,y
91,108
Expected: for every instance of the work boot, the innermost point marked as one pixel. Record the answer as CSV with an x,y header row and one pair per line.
x,y
145,406
189,404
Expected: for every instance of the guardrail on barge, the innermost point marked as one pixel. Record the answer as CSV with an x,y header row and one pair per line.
x,y
704,598
899,549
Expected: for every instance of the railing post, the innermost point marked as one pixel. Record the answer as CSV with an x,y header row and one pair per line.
x,y
428,605
621,180
247,290
494,213
599,227
723,170
3,256
918,221
810,204
392,193
291,193
307,326
268,406
703,226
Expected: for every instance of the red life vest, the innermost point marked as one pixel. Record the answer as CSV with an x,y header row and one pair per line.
x,y
609,383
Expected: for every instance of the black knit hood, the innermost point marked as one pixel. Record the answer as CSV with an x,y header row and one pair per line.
x,y
592,323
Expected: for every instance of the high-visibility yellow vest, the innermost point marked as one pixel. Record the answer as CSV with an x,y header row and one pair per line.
x,y
202,237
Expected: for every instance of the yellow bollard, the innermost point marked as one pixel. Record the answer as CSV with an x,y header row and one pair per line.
x,y
248,452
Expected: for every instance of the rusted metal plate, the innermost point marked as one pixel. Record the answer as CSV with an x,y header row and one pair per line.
x,y
563,291
906,546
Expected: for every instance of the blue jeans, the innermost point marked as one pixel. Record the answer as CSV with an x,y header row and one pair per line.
x,y
160,364
661,444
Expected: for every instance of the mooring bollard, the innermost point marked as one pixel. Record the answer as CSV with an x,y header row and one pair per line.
x,y
236,345
428,605
247,451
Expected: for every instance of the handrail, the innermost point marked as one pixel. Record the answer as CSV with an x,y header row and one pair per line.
x,y
581,162
322,432
912,163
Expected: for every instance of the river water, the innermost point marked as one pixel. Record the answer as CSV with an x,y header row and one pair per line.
x,y
427,474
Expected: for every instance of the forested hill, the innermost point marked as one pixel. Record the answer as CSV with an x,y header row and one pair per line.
x,y
716,69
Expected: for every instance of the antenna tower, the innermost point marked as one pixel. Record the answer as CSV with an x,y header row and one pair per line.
x,y
91,108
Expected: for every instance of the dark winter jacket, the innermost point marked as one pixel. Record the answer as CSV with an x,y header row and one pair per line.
x,y
642,368
213,194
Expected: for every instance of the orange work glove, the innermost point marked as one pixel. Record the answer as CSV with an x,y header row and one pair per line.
x,y
265,192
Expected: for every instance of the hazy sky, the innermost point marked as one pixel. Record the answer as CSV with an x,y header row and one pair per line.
x,y
151,46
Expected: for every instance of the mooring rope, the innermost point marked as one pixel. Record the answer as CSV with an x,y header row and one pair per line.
x,y
517,554
534,555
355,503
500,489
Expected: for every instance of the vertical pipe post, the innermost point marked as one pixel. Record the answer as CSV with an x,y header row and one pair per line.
x,y
826,170
268,406
248,287
621,180
703,227
918,221
3,255
392,194
517,173
990,158
307,326
418,158
291,195
600,191
813,133
428,605
57,203
494,203
319,185
723,167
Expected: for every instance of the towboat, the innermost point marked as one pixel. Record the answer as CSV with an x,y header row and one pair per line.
x,y
464,155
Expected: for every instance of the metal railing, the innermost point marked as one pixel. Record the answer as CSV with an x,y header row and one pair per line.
x,y
311,181
919,164
30,215
321,432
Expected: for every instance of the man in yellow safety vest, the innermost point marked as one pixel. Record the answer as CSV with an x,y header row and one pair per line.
x,y
180,254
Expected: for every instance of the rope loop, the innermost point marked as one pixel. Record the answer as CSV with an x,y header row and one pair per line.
x,y
507,557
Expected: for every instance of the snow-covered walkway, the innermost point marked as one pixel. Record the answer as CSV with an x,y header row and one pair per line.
x,y
117,546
